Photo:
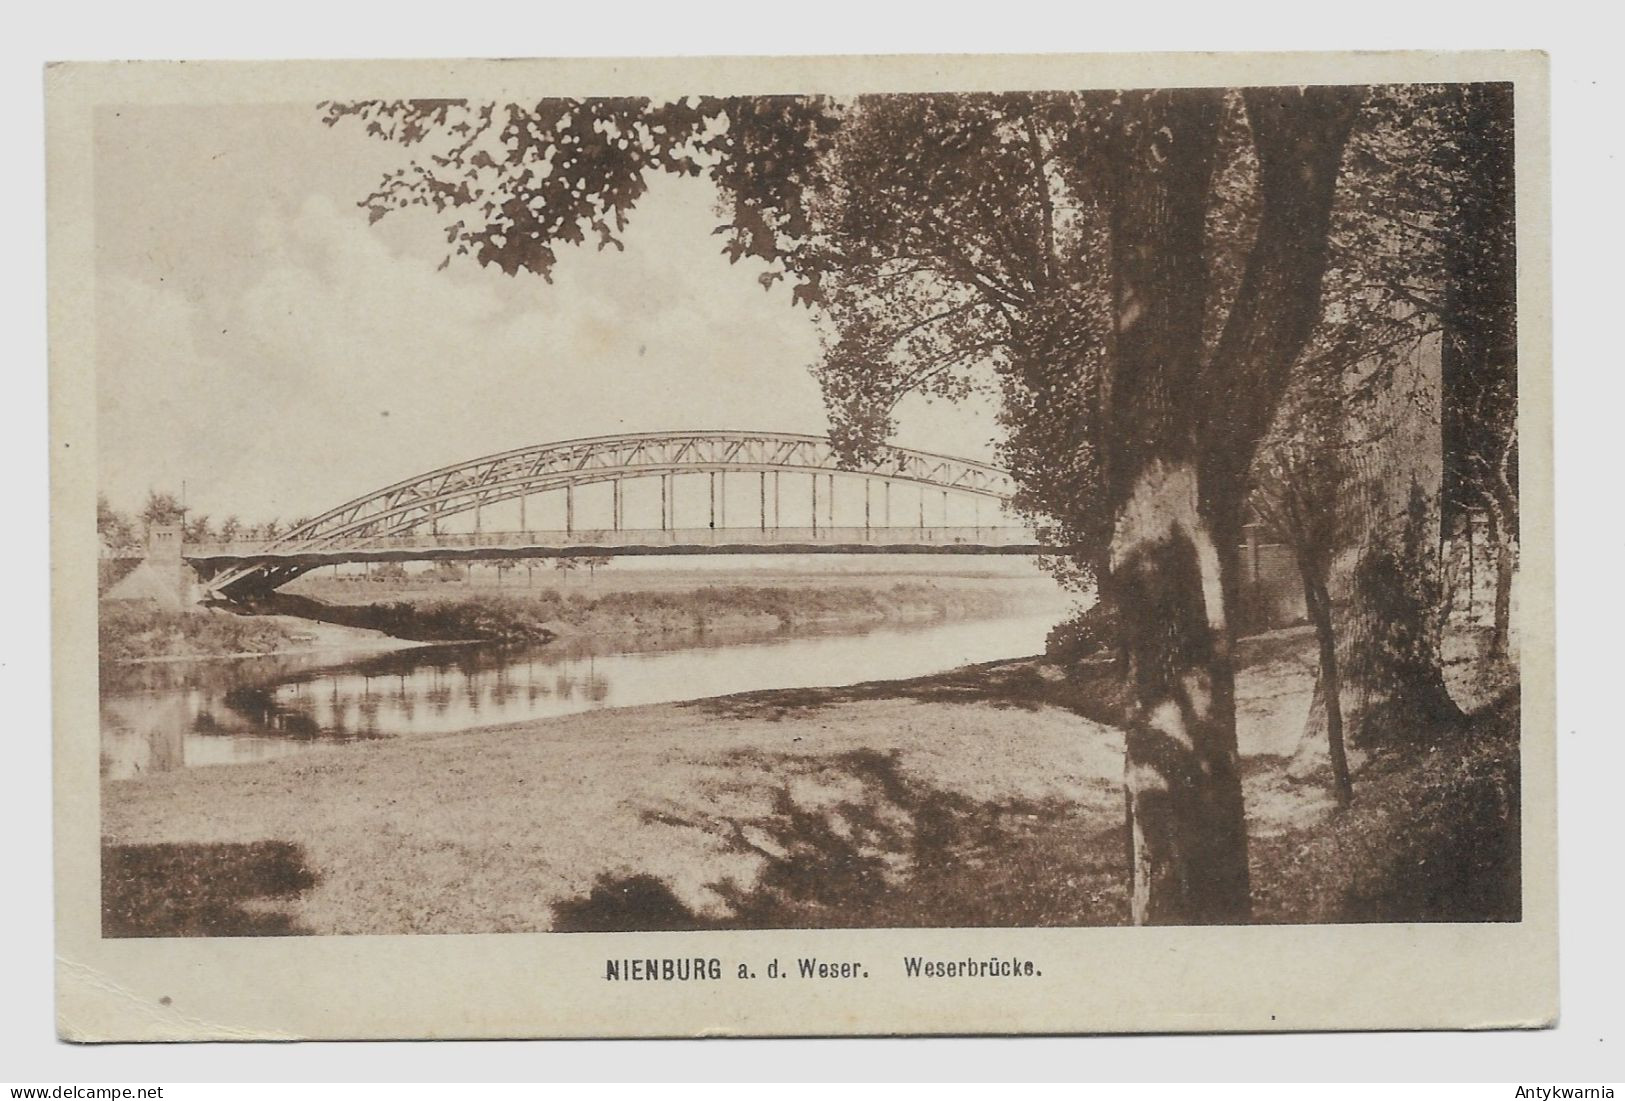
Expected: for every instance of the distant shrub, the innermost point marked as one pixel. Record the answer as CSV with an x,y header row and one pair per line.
x,y
1092,633
493,619
539,614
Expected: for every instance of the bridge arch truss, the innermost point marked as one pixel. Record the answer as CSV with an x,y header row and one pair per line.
x,y
425,500
428,498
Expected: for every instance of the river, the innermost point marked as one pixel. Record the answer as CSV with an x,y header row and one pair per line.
x,y
162,717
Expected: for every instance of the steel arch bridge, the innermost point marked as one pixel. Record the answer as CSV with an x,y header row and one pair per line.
x,y
402,521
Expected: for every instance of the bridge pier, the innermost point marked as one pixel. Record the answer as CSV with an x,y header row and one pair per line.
x,y
162,576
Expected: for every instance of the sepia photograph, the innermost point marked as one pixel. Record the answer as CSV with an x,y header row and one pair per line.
x,y
1066,506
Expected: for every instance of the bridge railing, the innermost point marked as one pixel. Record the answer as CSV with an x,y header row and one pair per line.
x,y
874,535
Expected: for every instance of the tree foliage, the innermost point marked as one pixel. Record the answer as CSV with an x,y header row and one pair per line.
x,y
117,531
1301,479
161,509
519,180
1421,256
963,254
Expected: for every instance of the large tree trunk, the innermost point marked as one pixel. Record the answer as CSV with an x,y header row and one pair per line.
x,y
1187,830
1180,437
1178,440
1480,406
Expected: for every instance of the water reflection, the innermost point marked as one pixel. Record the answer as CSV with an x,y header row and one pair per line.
x,y
160,717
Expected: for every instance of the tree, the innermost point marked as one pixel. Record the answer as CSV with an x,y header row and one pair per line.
x,y
1422,264
161,509
1489,462
967,236
1301,485
1140,388
115,530
1181,433
392,572
196,529
1481,332
963,255
447,570
1175,427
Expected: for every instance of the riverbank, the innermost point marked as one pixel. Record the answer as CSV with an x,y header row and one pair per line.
x,y
978,797
133,634
315,617
453,611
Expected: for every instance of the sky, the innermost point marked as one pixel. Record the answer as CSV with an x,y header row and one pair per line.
x,y
260,342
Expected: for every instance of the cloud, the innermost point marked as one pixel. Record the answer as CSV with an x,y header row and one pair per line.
x,y
349,362
152,383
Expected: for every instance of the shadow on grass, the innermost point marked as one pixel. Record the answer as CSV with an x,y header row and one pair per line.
x,y
1434,835
892,853
628,904
1460,857
1021,683
1094,688
202,890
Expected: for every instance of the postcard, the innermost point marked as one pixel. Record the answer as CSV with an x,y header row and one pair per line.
x,y
802,546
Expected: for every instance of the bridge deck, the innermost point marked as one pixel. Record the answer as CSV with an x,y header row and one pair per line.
x,y
629,542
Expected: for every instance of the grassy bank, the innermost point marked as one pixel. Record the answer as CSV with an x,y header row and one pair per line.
x,y
139,636
131,631
316,615
979,797
523,615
